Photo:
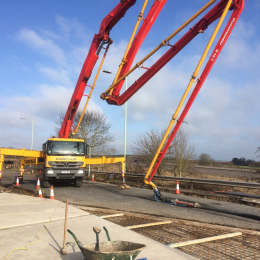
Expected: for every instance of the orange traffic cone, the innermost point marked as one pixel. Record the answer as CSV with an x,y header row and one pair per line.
x,y
92,177
178,187
40,193
17,181
52,193
38,185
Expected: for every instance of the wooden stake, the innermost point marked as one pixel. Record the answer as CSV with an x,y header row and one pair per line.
x,y
112,216
204,240
63,250
149,224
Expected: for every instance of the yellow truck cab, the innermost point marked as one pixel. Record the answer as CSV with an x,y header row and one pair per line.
x,y
64,160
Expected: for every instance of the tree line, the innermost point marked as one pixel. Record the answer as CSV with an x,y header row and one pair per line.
x,y
245,162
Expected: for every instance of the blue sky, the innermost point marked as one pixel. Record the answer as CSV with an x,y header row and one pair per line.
x,y
43,46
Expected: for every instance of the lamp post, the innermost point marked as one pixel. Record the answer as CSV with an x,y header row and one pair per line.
x,y
125,126
89,155
32,134
32,138
125,119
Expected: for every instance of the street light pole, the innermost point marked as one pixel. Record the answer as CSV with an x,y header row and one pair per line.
x,y
32,134
89,155
125,130
32,138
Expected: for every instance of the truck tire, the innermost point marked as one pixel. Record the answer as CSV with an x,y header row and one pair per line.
x,y
45,183
78,182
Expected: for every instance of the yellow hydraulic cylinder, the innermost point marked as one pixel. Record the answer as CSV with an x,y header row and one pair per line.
x,y
163,43
91,90
212,38
150,183
140,17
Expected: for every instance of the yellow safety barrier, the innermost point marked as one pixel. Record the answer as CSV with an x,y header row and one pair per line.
x,y
104,160
21,152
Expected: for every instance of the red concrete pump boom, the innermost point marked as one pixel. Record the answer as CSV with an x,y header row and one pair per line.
x,y
113,96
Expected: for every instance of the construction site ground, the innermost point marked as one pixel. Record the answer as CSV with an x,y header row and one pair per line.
x,y
141,201
246,246
32,228
213,218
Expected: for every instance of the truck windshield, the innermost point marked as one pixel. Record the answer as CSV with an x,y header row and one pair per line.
x,y
65,148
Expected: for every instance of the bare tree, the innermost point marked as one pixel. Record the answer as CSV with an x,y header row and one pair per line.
x,y
94,129
148,143
258,151
179,151
146,146
182,152
205,159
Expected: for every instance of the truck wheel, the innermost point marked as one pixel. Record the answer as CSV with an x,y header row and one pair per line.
x,y
78,182
45,183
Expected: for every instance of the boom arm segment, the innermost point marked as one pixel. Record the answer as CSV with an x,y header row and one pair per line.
x,y
97,43
201,26
142,33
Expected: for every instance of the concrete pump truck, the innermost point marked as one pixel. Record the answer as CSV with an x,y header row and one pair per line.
x,y
65,157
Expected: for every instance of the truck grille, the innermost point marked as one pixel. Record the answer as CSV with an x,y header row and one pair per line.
x,y
67,165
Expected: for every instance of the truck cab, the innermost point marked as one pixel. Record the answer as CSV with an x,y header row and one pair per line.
x,y
64,160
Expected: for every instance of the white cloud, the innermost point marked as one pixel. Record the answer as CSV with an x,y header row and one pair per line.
x,y
59,75
44,107
241,51
224,119
71,28
46,46
49,100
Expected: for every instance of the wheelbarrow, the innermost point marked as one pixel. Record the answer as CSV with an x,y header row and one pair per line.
x,y
110,250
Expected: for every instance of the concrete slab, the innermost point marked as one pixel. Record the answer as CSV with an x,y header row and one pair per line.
x,y
43,240
21,210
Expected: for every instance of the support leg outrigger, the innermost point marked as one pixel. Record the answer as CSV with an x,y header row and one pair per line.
x,y
156,193
174,202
